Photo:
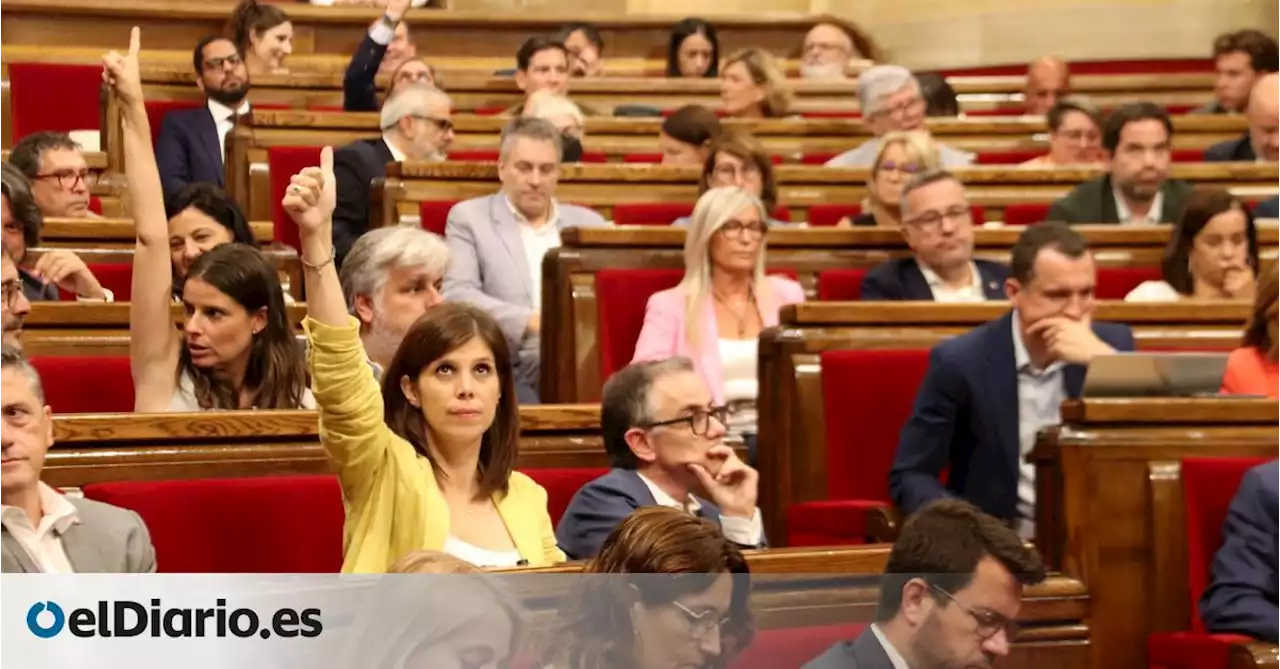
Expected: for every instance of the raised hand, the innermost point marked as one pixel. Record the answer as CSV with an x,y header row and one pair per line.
x,y
120,72
734,485
312,195
396,9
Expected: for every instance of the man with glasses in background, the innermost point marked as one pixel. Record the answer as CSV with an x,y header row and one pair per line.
x,y
42,273
949,597
59,175
665,441
989,391
417,124
938,228
890,99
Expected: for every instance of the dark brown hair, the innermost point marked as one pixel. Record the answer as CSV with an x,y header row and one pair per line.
x,y
693,124
744,146
1036,238
1133,112
1202,205
276,372
444,328
252,17
1058,112
943,543
1264,56
1256,333
594,629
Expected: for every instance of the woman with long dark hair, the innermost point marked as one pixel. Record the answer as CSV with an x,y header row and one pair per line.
x,y
693,50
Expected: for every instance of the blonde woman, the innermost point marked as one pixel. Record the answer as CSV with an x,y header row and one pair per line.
x,y
715,315
752,86
902,154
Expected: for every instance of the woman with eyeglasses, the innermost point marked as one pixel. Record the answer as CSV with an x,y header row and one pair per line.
x,y
1075,135
666,591
717,312
735,159
902,155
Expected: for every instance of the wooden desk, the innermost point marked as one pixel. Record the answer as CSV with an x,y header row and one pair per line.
x,y
1109,474
112,233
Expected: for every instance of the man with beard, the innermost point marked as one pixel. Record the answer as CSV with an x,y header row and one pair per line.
x,y
1137,139
827,52
949,596
192,142
15,305
391,277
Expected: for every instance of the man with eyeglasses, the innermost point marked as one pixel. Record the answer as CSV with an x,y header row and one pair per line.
x,y
59,175
989,391
890,98
949,597
417,124
15,306
665,440
192,142
938,228
827,53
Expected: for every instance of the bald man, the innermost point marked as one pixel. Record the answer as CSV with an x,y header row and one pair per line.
x,y
826,53
1262,141
1048,80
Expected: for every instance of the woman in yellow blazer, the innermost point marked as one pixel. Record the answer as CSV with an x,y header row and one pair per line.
x,y
428,462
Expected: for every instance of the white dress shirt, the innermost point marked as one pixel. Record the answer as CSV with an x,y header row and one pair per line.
x,y
1041,393
396,154
44,541
741,531
224,121
944,293
1126,216
895,658
537,241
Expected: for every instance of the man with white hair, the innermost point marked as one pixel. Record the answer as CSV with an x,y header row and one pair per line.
x,y
390,278
827,52
890,99
416,125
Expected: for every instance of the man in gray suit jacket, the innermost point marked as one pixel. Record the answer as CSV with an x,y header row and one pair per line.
x,y
496,243
43,530
949,596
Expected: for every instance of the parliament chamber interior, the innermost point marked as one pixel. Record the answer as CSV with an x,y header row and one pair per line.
x,y
531,229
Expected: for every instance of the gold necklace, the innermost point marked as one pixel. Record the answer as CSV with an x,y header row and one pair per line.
x,y
740,315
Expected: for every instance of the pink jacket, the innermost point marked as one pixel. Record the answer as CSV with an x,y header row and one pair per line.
x,y
663,335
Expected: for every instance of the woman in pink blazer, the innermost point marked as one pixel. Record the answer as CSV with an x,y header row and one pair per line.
x,y
714,317
1252,369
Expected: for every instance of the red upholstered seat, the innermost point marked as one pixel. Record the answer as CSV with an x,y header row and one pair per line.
x,y
863,420
283,162
158,109
475,156
1188,155
271,524
86,384
1026,214
793,646
434,215
594,157
650,213
840,284
977,214
48,97
781,213
1116,282
1009,157
648,158
561,485
621,296
95,205
116,277
816,158
1208,486
831,113
823,215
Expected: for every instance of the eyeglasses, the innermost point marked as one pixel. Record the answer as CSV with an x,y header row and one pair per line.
x,y
700,624
930,221
905,168
414,77
443,124
67,179
990,623
823,46
699,421
902,109
737,229
732,173
12,289
218,63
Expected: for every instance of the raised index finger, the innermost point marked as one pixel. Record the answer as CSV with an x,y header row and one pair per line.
x,y
135,41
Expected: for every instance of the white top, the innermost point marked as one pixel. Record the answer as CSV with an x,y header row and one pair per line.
x,y
43,542
537,241
944,293
223,122
895,658
1041,393
184,397
741,531
1126,217
1153,291
480,557
738,359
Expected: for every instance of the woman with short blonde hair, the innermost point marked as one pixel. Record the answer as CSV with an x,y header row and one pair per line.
x,y
753,86
902,155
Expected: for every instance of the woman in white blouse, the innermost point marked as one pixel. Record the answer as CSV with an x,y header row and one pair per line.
x,y
1212,253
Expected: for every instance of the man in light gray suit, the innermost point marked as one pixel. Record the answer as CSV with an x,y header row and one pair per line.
x,y
496,243
43,530
949,596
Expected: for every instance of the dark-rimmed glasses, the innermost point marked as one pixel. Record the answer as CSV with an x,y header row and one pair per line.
x,y
990,623
699,421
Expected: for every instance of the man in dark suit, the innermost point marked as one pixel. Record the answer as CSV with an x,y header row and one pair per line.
x,y
938,229
951,592
1262,140
988,391
192,142
1241,598
664,439
385,49
1137,138
416,124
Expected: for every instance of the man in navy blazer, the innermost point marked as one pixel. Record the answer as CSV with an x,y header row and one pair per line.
x,y
192,142
1241,598
664,439
938,228
989,391
385,49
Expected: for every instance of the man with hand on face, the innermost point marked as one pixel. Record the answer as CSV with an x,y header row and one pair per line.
x,y
989,391
665,440
192,142
543,63
585,47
